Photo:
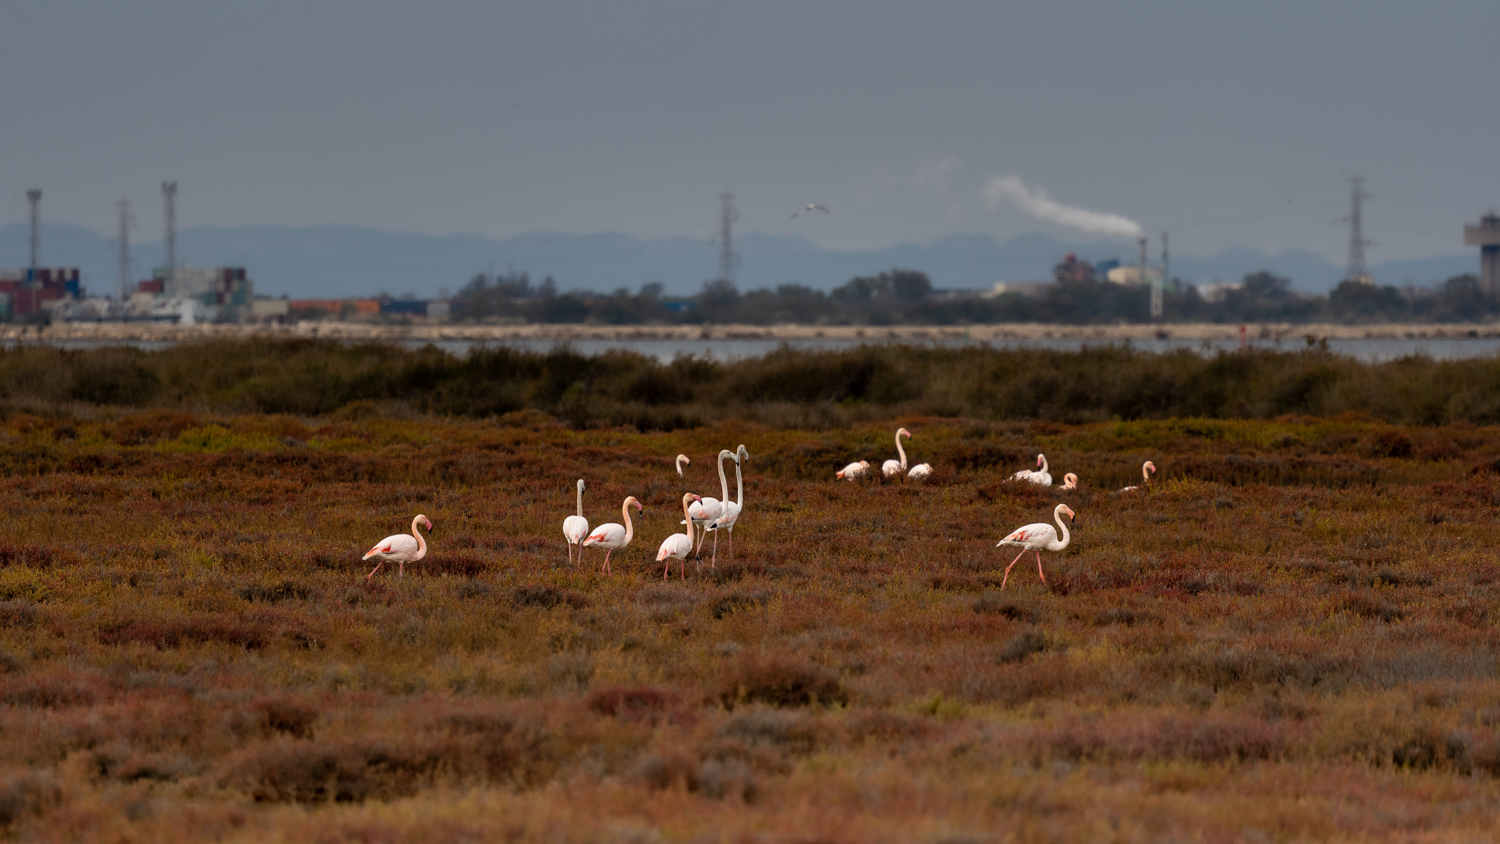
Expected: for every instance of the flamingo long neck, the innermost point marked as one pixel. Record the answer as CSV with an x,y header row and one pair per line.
x,y
723,479
1145,474
1066,537
629,528
739,485
580,498
1043,459
680,458
422,543
687,517
901,451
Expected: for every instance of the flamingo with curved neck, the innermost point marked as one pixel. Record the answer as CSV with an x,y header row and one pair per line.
x,y
612,537
1038,537
403,547
707,509
1040,475
679,545
1146,469
682,459
575,528
1070,481
733,509
891,468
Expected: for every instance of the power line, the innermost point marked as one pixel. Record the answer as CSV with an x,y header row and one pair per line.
x,y
169,192
34,196
727,258
124,257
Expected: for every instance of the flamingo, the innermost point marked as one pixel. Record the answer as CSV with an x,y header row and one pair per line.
x,y
1040,476
1070,481
891,468
732,509
1146,469
403,547
708,509
575,528
681,459
679,545
854,471
611,537
1038,537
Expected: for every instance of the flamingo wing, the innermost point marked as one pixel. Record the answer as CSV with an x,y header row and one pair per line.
x,y
728,517
1031,536
675,546
394,547
706,510
920,471
608,536
890,468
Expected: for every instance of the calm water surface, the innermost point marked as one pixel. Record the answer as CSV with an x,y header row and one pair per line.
x,y
1373,350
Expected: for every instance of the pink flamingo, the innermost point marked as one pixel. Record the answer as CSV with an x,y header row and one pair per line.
x,y
1146,469
403,547
612,537
854,471
708,509
732,509
679,545
575,528
681,459
1038,537
1070,481
1040,475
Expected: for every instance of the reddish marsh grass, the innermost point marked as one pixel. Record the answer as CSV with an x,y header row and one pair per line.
x,y
1290,634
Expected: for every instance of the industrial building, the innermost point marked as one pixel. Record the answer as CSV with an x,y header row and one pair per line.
x,y
1486,236
31,293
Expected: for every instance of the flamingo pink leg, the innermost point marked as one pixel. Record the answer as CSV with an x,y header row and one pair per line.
x,y
401,567
715,560
1012,565
604,568
667,570
570,554
1039,566
373,570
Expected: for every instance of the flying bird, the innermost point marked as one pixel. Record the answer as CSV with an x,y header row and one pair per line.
x,y
811,206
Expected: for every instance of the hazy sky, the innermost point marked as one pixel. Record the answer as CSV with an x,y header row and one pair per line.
x,y
1230,124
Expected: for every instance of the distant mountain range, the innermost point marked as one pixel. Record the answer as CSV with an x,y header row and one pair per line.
x,y
340,261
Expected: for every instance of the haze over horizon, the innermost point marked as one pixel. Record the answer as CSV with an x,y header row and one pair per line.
x,y
1231,127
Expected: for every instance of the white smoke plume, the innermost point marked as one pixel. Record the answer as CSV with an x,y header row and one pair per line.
x,y
1043,207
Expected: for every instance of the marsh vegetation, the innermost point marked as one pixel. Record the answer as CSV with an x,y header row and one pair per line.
x,y
1291,635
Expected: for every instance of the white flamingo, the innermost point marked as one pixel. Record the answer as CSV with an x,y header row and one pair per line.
x,y
1038,476
678,545
1070,481
732,509
708,509
1038,537
403,547
612,537
891,468
1146,469
575,528
682,459
854,471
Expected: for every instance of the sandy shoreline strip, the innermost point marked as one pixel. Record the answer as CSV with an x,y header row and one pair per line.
x,y
148,332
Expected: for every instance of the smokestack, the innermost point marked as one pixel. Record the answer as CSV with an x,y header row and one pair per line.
x,y
34,196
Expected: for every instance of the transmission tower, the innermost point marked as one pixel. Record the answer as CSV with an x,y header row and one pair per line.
x,y
124,268
1156,284
169,191
34,196
1357,242
727,258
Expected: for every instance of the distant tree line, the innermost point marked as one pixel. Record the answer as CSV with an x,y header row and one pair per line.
x,y
907,297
